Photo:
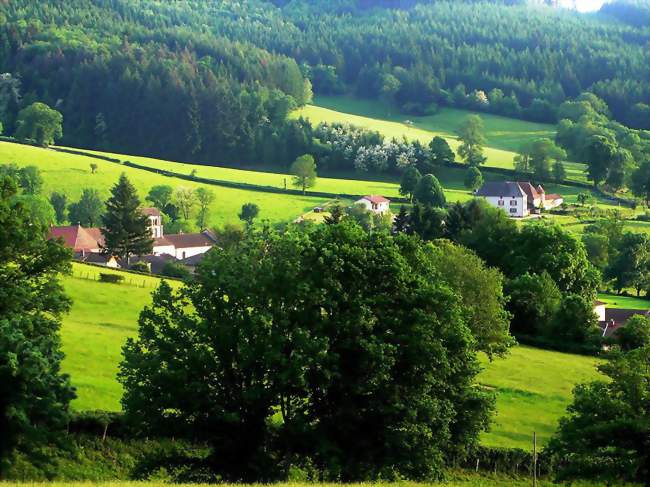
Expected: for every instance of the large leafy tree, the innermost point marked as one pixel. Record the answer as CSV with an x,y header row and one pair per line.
x,y
39,123
204,197
304,172
470,134
481,290
429,191
409,182
631,265
125,228
605,435
34,394
640,182
349,337
88,210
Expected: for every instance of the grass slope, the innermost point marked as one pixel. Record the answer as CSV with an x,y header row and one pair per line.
x,y
102,317
532,385
71,174
533,389
628,302
504,135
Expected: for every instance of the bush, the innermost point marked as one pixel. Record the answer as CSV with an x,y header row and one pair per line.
x,y
112,278
174,269
141,266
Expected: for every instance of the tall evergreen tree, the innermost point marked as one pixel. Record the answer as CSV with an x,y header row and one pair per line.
x,y
126,229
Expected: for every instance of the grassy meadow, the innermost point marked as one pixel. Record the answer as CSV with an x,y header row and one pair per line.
x,y
103,315
533,388
504,135
532,385
628,302
71,174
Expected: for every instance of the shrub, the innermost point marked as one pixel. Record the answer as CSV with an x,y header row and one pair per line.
x,y
112,278
141,266
174,269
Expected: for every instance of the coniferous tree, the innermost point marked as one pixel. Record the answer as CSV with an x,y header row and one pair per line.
x,y
125,228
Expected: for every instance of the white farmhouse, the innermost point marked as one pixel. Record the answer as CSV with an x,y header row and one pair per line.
x,y
518,199
375,203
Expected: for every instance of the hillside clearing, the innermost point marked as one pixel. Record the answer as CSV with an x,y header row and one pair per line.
x,y
504,135
533,389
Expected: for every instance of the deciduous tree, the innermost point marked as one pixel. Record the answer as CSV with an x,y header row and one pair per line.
x,y
470,134
429,191
88,210
204,197
39,123
34,394
304,172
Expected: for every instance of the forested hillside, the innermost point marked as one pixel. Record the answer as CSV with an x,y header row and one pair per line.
x,y
214,80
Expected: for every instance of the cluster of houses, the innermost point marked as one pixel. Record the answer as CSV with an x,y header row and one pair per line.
x,y
611,320
183,248
518,198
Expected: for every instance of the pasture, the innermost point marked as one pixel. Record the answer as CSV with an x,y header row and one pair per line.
x,y
103,315
70,174
628,302
532,386
504,135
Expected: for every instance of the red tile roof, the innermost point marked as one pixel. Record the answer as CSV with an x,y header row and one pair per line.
x,y
150,211
374,198
553,196
78,238
529,189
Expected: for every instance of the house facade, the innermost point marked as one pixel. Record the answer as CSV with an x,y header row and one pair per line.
x,y
375,203
518,199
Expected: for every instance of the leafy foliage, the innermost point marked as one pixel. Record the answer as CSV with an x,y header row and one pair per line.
x,y
34,395
380,384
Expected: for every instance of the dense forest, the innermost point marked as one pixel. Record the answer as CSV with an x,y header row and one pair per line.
x,y
214,80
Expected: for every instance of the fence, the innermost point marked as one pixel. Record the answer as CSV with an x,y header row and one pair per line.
x,y
129,279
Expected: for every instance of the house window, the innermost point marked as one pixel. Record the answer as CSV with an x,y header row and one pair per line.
x,y
513,210
500,202
513,202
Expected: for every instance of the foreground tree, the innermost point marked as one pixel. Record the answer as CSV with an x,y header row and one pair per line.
x,y
39,123
304,172
635,334
376,381
605,435
34,395
125,228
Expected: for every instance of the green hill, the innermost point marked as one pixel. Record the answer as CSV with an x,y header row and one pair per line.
x,y
504,135
533,387
71,174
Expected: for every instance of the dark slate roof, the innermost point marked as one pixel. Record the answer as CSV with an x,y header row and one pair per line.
x,y
190,240
506,189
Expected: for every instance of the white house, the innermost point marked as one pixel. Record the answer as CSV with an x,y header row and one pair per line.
x,y
518,199
600,309
375,203
184,245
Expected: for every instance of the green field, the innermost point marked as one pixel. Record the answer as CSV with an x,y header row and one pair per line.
x,y
628,302
102,317
504,135
71,174
533,387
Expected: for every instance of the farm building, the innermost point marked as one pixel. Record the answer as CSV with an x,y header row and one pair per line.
x,y
518,198
87,243
375,203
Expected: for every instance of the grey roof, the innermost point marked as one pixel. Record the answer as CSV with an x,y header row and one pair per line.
x,y
506,189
